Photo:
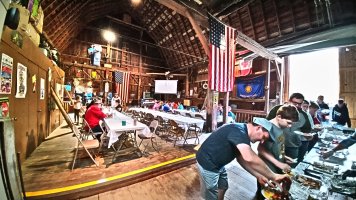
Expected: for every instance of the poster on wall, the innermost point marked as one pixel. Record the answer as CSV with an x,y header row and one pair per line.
x,y
4,107
42,88
6,74
34,80
21,87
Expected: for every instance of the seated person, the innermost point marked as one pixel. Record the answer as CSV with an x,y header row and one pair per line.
x,y
156,105
93,117
117,105
180,106
166,107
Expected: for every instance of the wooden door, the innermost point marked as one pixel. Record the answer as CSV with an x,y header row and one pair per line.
x,y
42,105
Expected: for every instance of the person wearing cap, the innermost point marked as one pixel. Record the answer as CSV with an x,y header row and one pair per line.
x,y
228,142
340,114
93,116
272,152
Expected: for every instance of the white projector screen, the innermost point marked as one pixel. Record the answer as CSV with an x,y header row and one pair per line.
x,y
166,86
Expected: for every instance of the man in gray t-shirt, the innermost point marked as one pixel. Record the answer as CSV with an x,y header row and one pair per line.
x,y
224,145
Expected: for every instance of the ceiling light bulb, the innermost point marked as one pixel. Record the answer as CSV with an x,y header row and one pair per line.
x,y
109,36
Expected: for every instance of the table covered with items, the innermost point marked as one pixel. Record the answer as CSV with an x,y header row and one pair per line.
x,y
319,178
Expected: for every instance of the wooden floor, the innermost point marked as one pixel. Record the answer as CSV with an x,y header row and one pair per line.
x,y
47,174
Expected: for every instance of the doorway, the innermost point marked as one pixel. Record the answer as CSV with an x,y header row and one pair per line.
x,y
316,73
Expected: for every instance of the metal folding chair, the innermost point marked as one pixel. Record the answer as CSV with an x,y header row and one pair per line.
x,y
88,146
151,136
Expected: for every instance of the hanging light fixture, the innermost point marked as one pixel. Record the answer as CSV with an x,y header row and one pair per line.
x,y
109,36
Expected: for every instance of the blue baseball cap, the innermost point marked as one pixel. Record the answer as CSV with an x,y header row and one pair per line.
x,y
266,125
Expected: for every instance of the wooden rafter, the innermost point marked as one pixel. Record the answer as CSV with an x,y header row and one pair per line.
x,y
277,16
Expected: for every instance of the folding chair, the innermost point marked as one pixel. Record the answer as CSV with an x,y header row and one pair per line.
x,y
151,136
85,133
87,145
176,131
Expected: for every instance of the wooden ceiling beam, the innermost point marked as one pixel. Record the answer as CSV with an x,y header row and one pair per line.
x,y
201,20
194,20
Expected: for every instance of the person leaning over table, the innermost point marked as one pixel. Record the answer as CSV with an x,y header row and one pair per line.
x,y
344,144
296,145
93,117
272,152
224,145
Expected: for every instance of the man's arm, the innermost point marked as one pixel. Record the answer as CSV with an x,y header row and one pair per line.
x,y
344,144
253,164
262,151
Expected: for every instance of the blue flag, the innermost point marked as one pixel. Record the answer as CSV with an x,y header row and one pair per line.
x,y
251,87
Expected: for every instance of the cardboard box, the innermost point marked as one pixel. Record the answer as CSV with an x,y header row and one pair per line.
x,y
33,35
24,17
37,20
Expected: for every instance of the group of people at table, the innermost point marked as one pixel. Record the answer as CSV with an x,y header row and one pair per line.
x,y
284,137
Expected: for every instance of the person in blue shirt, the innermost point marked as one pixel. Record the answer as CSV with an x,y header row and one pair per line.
x,y
180,106
231,114
166,107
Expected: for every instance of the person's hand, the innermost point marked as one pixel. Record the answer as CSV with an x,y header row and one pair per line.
x,y
262,180
308,136
285,168
290,160
279,177
327,154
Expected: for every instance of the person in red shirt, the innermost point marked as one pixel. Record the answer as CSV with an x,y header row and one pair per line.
x,y
93,117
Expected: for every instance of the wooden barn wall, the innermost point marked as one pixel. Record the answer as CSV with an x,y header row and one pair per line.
x,y
347,61
34,118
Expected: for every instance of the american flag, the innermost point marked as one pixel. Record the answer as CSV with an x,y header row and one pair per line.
x,y
222,58
122,82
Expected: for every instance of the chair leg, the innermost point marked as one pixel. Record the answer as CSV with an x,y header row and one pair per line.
x,y
75,156
140,143
153,145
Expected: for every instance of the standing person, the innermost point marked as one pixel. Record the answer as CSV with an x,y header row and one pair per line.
x,y
77,106
323,112
272,152
224,145
313,108
292,135
340,113
93,116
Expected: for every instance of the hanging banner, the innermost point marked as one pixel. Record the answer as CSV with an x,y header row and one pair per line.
x,y
21,87
243,68
6,74
251,87
42,88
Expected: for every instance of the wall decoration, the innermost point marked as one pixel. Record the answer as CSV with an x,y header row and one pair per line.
x,y
42,88
6,74
21,87
251,87
34,79
4,107
16,38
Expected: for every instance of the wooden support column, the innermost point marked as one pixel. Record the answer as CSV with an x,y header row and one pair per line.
x,y
267,89
226,105
139,91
